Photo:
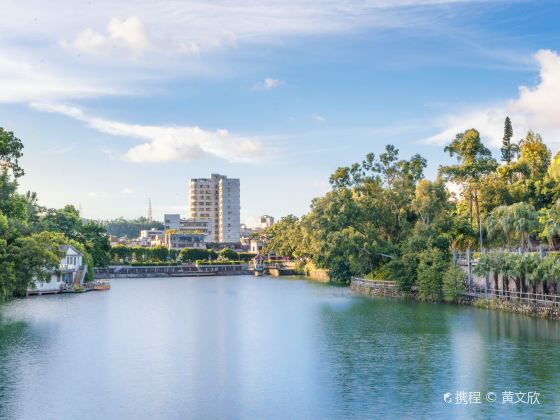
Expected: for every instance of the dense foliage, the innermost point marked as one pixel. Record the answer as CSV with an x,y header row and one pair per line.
x,y
382,219
130,228
30,234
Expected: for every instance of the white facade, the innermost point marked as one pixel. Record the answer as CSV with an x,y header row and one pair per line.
x,y
178,241
255,246
197,226
71,271
217,198
151,237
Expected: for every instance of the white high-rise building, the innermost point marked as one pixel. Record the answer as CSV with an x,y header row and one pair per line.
x,y
217,198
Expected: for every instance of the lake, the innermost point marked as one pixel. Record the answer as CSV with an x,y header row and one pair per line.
x,y
246,347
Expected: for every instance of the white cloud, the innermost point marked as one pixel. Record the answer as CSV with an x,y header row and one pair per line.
x,y
128,35
166,144
43,71
24,79
128,191
318,118
267,84
535,108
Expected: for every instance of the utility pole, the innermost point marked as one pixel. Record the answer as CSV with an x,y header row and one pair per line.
x,y
150,214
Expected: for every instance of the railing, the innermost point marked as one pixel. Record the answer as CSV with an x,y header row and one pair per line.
x,y
514,295
380,284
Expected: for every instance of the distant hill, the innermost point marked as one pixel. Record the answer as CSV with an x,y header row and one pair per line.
x,y
130,228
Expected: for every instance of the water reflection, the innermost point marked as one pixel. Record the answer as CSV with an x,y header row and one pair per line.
x,y
241,347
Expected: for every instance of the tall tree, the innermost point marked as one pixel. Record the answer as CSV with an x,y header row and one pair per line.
x,y
508,149
474,162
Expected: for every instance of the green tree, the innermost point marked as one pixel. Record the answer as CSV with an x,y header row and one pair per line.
x,y
509,149
549,219
430,200
432,267
453,283
525,222
228,254
474,162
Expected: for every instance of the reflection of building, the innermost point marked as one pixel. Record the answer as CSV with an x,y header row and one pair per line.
x,y
71,272
179,241
266,221
217,198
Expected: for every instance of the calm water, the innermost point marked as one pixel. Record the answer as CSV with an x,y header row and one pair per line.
x,y
241,347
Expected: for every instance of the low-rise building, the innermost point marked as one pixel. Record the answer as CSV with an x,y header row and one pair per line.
x,y
71,272
266,221
171,221
152,237
255,246
178,241
198,226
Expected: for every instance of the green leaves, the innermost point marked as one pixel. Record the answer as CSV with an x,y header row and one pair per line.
x,y
10,152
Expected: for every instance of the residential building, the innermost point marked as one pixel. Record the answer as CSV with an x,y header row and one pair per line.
x,y
178,241
152,237
217,198
71,272
255,246
245,231
202,226
171,221
266,221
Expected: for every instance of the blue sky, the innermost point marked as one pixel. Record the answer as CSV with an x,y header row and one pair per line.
x,y
119,103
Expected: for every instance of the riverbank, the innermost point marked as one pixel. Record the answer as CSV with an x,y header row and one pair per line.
x,y
369,288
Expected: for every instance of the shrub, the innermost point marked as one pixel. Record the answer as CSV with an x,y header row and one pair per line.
x,y
453,283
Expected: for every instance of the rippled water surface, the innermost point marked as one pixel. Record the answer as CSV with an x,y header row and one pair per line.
x,y
245,347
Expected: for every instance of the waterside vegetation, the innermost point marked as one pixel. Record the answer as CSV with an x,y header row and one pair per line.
x,y
382,219
30,234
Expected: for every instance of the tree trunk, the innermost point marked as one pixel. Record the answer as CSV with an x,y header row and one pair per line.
x,y
523,284
545,287
478,219
505,286
496,286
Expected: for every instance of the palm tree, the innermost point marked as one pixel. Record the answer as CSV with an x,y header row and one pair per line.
x,y
554,273
507,270
484,266
496,261
549,271
524,266
550,220
490,264
499,223
537,274
525,221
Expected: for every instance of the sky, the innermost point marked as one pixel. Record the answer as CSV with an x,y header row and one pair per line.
x,y
121,102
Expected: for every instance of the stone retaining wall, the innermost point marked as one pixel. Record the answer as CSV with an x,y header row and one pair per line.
x,y
541,311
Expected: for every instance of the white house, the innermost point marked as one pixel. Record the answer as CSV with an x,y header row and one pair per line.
x,y
71,272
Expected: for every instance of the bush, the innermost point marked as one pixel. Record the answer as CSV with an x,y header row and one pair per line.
x,y
453,283
431,269
197,254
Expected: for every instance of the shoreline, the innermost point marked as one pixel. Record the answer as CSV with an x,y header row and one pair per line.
x,y
512,306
